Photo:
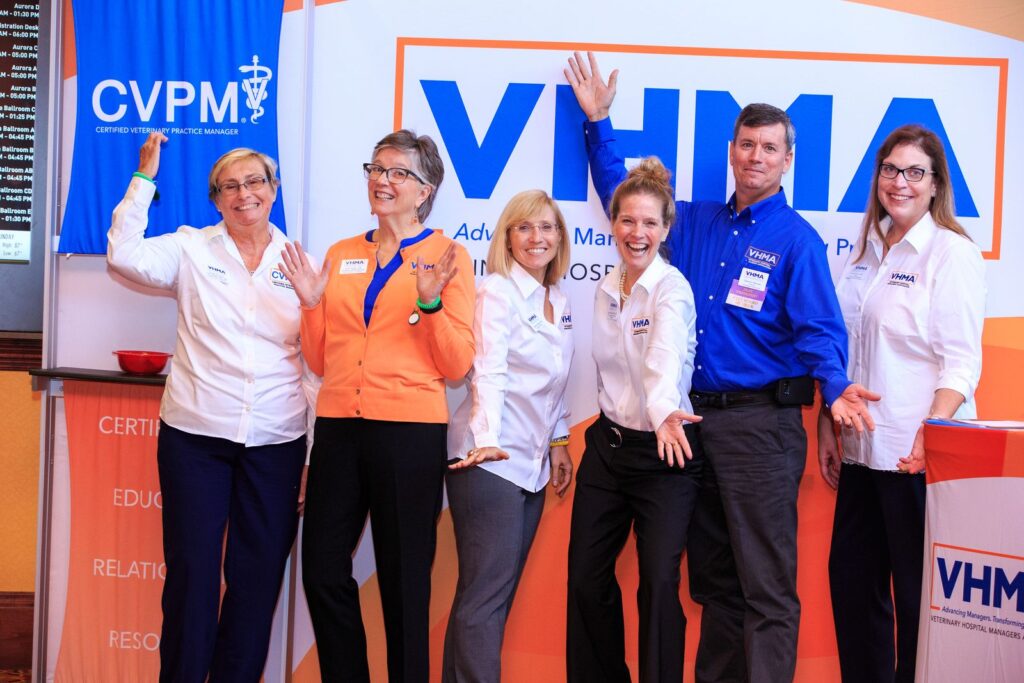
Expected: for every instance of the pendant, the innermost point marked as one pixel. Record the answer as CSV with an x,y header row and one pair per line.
x,y
414,318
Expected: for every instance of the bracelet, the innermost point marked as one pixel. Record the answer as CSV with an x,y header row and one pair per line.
x,y
431,306
560,441
140,174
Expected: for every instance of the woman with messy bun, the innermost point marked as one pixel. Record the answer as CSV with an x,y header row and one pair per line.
x,y
641,464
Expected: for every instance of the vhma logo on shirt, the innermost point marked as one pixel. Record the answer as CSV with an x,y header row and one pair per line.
x,y
901,279
962,577
110,97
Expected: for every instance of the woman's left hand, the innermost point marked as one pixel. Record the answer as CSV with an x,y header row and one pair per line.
x,y
672,443
914,463
479,455
561,469
430,281
302,490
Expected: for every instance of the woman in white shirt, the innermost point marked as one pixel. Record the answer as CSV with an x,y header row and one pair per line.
x,y
510,435
234,415
913,297
636,470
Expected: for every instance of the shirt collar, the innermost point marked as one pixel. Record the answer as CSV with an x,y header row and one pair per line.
x,y
763,208
524,282
650,277
918,237
408,241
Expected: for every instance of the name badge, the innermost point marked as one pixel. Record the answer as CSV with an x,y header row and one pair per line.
x,y
900,279
613,310
351,266
534,321
858,273
745,297
754,279
567,321
217,273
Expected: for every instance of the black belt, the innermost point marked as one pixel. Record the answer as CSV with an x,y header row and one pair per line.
x,y
618,435
731,399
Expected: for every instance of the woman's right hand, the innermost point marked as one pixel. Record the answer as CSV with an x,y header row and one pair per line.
x,y
149,155
673,446
479,455
308,283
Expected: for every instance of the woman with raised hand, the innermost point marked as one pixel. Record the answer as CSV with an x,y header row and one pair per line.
x,y
387,321
510,436
638,470
233,419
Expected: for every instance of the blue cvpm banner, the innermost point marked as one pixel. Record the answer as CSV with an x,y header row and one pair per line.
x,y
202,72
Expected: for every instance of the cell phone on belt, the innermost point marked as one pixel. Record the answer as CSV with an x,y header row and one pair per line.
x,y
795,391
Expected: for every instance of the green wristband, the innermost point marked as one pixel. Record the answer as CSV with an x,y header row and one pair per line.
x,y
429,306
140,174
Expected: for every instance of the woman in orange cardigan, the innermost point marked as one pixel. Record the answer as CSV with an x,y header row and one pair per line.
x,y
387,320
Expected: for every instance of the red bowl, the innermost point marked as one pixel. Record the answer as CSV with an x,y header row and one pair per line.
x,y
142,362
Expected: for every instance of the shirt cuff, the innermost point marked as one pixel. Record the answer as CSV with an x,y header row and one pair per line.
x,y
486,440
142,192
957,384
658,412
833,388
598,132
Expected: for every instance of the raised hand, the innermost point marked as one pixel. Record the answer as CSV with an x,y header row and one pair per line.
x,y
309,284
593,94
149,154
430,281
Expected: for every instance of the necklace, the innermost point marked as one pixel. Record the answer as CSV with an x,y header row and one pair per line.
x,y
622,287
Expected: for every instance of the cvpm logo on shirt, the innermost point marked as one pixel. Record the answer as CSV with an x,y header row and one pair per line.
x,y
209,90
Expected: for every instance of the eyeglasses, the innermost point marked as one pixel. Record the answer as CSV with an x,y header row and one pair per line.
x,y
525,228
250,184
912,174
396,176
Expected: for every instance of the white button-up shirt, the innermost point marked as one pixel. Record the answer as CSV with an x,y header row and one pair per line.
x,y
644,352
914,320
517,385
237,371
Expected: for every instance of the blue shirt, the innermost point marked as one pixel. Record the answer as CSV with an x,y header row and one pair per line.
x,y
766,305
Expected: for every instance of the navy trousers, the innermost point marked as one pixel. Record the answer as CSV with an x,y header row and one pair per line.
x,y
209,484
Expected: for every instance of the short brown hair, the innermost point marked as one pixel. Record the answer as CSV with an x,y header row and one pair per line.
x,y
649,177
426,161
521,207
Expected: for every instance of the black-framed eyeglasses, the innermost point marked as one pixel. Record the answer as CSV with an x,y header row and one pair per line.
x,y
251,184
912,174
396,176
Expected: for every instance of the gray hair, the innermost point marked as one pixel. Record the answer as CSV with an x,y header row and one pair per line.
x,y
426,161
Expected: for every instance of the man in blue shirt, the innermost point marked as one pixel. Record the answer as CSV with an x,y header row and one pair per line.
x,y
768,324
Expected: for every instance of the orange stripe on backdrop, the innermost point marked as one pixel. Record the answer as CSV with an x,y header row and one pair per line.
x,y
112,618
1002,372
1005,17
70,62
534,648
999,63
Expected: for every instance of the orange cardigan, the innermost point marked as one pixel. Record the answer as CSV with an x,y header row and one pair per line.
x,y
391,370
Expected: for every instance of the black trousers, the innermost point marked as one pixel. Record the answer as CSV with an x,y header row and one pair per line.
x,y
876,565
208,484
618,488
742,548
394,471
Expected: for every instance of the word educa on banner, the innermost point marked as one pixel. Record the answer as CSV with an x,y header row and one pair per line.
x,y
110,97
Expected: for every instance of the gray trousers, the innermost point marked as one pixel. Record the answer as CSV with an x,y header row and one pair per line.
x,y
495,522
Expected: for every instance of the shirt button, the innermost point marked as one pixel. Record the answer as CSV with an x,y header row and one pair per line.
x,y
722,264
358,413
700,331
358,390
752,221
248,409
359,362
700,367
735,232
711,296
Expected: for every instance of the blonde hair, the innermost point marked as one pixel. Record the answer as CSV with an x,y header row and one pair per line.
x,y
243,154
942,207
521,207
649,177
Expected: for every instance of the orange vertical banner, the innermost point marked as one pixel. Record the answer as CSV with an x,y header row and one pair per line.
x,y
116,564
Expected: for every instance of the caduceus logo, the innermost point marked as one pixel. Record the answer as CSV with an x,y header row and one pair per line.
x,y
255,86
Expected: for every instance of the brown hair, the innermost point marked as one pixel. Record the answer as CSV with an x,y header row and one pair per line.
x,y
426,161
521,207
942,207
652,178
759,114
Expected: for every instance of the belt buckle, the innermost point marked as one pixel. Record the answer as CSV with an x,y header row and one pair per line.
x,y
618,435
